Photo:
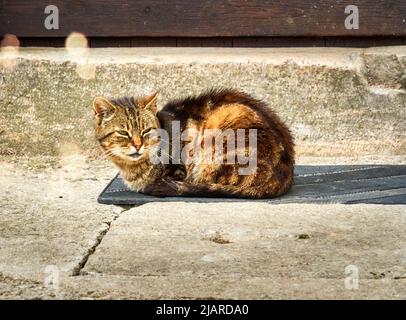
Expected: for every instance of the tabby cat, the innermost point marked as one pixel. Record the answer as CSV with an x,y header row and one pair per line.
x,y
125,130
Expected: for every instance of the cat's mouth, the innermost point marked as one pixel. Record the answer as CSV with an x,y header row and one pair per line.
x,y
135,154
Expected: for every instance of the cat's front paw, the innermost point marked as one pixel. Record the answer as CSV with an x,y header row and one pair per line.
x,y
163,188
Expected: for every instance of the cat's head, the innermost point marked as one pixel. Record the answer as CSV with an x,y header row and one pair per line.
x,y
125,127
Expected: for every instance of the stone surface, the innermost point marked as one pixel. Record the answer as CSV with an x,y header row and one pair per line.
x,y
50,217
386,67
227,287
347,102
187,250
218,247
57,242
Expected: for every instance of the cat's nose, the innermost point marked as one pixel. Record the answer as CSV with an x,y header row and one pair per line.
x,y
136,142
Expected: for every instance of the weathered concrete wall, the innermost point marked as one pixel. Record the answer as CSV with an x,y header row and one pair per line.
x,y
337,101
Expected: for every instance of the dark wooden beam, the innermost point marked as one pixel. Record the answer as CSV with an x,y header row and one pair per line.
x,y
199,18
250,42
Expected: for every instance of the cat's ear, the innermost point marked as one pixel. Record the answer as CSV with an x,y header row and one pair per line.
x,y
102,109
149,102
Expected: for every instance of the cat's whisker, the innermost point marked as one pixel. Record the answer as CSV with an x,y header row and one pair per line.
x,y
107,152
111,152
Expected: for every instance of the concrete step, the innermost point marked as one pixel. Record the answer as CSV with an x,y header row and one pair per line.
x,y
337,101
52,228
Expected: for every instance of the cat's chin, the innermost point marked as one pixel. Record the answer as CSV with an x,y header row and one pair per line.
x,y
127,159
135,157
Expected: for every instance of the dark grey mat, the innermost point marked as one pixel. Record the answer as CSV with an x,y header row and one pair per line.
x,y
378,184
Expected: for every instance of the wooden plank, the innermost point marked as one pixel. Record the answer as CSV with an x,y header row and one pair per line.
x,y
109,42
204,42
210,18
35,42
247,42
153,42
363,42
250,42
57,42
269,42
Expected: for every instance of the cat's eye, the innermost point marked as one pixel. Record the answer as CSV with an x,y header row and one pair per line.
x,y
122,133
147,131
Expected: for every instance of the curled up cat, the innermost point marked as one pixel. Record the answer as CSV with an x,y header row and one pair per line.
x,y
222,143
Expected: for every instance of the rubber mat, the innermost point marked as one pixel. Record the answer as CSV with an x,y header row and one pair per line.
x,y
349,184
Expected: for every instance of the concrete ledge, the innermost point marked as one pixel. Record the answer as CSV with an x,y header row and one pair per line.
x,y
49,220
337,101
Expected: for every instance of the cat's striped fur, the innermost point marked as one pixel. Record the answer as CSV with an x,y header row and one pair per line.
x,y
216,109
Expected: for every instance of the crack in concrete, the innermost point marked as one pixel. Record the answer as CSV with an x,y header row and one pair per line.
x,y
77,270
